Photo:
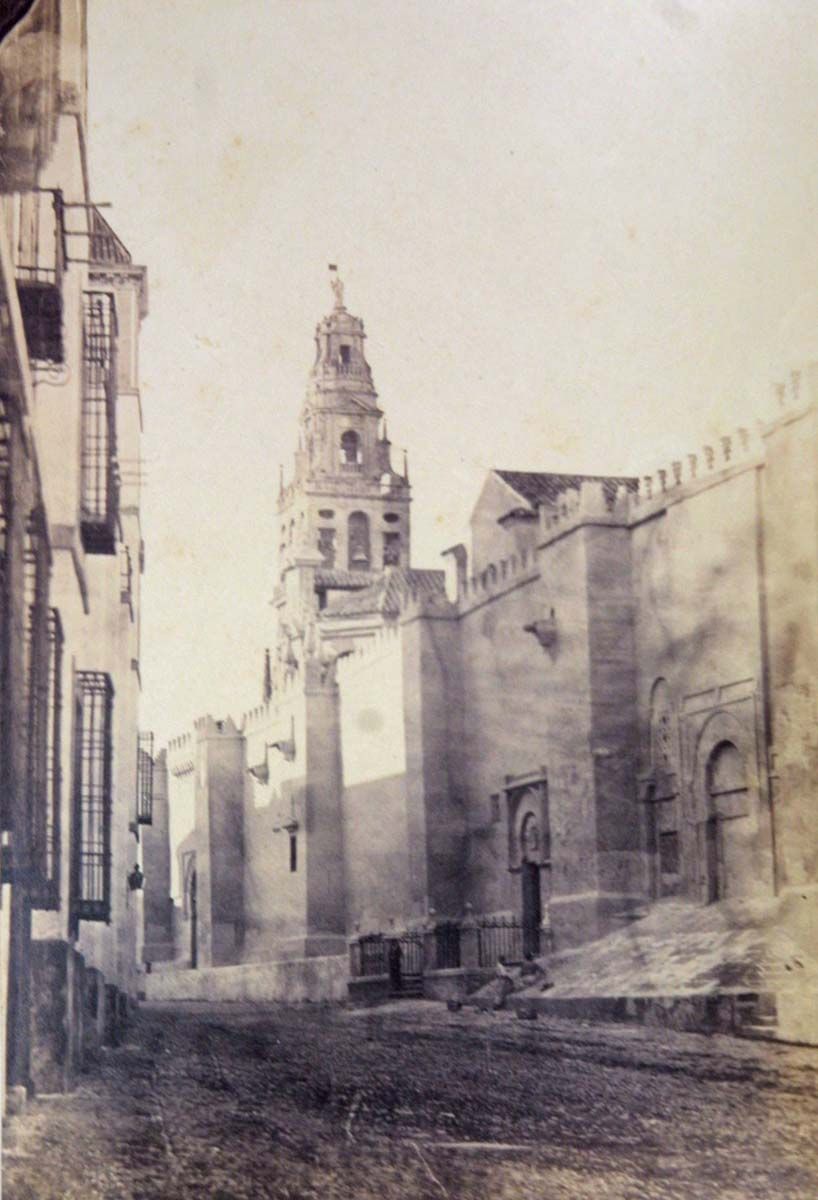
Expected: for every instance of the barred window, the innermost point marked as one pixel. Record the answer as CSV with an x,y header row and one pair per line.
x,y
6,434
35,696
144,778
53,779
91,845
99,489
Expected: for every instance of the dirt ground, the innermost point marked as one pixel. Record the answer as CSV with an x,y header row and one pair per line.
x,y
412,1101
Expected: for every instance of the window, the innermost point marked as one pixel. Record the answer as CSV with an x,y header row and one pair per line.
x,y
35,695
669,853
50,897
326,546
662,752
144,778
345,353
99,491
358,541
391,549
350,448
40,255
41,310
91,844
326,514
391,518
726,773
6,461
125,576
293,852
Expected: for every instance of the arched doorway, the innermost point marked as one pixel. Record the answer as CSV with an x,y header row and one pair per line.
x,y
190,906
194,931
725,850
530,877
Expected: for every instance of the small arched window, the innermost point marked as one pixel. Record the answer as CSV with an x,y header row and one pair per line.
x,y
350,448
662,753
726,773
358,542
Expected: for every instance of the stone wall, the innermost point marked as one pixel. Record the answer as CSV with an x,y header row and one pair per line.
x,y
698,628
790,561
294,981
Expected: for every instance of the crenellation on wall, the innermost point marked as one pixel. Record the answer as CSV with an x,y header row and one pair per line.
x,y
495,579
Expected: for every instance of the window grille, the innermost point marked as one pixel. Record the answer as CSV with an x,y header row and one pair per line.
x,y
99,498
50,897
144,778
35,696
6,434
91,847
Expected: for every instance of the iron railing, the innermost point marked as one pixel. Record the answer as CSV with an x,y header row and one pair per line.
x,y
99,497
50,892
402,956
91,844
144,778
501,938
34,736
367,956
7,434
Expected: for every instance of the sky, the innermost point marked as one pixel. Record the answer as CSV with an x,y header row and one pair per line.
x,y
581,234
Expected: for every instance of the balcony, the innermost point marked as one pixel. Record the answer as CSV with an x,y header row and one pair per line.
x,y
38,231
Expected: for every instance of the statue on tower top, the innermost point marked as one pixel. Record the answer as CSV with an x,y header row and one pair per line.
x,y
336,285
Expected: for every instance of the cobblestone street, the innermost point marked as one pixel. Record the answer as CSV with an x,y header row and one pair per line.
x,y
413,1101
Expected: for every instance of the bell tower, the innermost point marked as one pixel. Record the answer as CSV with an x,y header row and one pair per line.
x,y
345,503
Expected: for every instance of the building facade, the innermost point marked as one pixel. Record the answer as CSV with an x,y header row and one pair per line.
x,y
608,703
72,556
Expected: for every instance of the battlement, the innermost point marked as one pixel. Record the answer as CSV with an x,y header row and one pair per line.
x,y
385,640
180,755
179,743
739,448
496,578
269,710
213,727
